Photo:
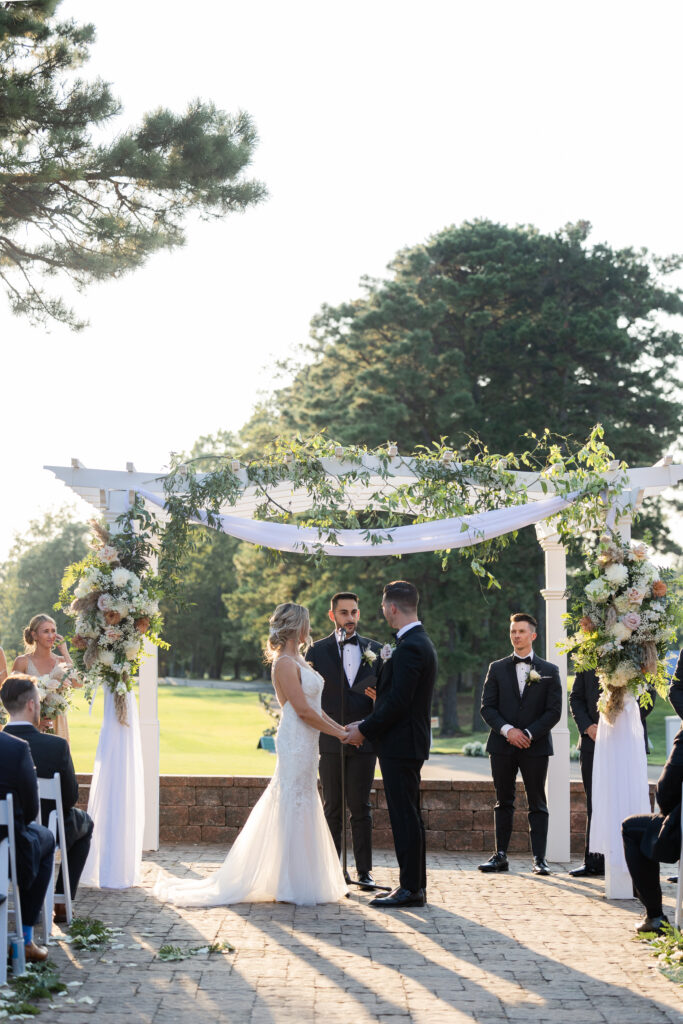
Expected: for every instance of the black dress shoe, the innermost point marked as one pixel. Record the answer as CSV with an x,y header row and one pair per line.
x,y
366,881
498,862
540,866
653,924
672,878
400,898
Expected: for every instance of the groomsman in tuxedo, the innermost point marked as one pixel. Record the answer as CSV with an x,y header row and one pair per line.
x,y
583,704
359,656
399,728
50,754
521,702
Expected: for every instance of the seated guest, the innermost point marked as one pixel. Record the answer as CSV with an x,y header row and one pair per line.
x,y
50,754
35,844
652,838
583,703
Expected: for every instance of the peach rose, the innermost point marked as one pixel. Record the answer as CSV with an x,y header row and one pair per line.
x,y
586,624
112,618
658,588
142,624
79,642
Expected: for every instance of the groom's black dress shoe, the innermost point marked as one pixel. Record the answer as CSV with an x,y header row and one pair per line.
x,y
653,924
593,867
366,880
400,898
672,878
540,866
498,862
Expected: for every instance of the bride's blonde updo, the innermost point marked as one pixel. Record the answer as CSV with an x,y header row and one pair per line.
x,y
287,621
29,638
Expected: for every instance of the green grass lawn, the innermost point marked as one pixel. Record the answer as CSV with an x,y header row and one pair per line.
x,y
215,732
203,732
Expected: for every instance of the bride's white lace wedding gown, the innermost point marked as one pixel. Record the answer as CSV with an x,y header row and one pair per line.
x,y
285,851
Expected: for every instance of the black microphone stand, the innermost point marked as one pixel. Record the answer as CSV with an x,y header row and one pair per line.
x,y
343,684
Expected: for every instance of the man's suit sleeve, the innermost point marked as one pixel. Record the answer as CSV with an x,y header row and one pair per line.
x,y
669,787
404,681
553,706
310,655
68,780
676,688
27,786
578,705
490,700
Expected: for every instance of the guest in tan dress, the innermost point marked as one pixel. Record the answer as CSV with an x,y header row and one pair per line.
x,y
40,636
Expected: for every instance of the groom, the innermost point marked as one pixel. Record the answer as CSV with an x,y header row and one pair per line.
x,y
399,729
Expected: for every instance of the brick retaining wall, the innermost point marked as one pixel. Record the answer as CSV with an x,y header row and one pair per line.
x,y
458,814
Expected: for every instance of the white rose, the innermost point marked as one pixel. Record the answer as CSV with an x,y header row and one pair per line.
x,y
386,652
122,607
108,554
621,603
619,631
131,651
597,590
370,655
106,658
616,574
639,552
82,589
134,583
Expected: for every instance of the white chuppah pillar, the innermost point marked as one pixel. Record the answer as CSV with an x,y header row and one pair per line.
x,y
149,729
554,594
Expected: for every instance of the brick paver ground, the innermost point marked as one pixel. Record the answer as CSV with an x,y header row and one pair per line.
x,y
486,949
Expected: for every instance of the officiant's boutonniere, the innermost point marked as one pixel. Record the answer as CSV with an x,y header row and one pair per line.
x,y
534,676
386,652
369,656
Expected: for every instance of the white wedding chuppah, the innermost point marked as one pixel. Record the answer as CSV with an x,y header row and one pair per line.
x,y
110,492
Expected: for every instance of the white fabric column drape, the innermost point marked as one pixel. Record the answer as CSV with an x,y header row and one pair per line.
x,y
117,801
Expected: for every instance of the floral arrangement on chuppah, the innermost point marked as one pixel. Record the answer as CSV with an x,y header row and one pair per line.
x,y
113,598
622,621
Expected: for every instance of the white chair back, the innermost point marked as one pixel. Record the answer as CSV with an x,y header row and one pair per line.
x,y
51,789
8,875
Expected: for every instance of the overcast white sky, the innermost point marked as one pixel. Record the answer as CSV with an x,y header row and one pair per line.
x,y
381,122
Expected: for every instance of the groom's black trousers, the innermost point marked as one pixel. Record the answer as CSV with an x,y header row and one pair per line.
x,y
359,776
402,790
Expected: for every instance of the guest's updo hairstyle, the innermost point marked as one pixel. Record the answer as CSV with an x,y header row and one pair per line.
x,y
287,621
29,639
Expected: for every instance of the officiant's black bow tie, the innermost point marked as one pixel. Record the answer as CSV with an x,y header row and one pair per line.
x,y
351,640
517,659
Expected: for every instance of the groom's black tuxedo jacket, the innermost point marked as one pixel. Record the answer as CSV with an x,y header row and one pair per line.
x,y
325,659
583,704
399,727
538,709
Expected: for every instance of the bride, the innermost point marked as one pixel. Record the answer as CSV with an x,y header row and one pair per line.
x,y
285,851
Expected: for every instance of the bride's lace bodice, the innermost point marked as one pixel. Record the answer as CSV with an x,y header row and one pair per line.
x,y
297,743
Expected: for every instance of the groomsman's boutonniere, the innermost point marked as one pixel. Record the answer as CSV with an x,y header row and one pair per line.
x,y
386,652
534,676
369,656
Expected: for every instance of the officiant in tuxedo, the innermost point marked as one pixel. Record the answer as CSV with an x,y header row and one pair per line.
x,y
359,655
399,728
521,702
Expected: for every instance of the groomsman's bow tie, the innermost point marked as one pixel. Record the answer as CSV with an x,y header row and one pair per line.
x,y
351,640
517,659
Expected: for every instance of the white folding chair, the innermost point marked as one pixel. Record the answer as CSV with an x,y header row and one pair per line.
x,y
50,789
679,884
8,874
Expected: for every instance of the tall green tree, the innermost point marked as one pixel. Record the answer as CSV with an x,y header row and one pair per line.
x,y
494,331
30,578
76,206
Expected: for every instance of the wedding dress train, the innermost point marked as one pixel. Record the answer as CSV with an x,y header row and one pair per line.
x,y
285,851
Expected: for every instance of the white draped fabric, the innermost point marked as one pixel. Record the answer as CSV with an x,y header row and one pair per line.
x,y
437,535
117,801
620,784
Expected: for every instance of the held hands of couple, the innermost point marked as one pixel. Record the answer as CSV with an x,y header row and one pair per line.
x,y
518,738
354,737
